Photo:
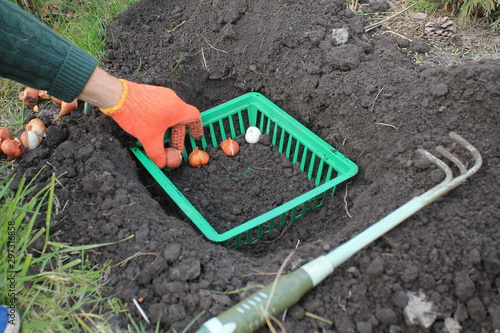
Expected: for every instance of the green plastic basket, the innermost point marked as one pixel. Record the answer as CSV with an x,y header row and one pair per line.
x,y
323,164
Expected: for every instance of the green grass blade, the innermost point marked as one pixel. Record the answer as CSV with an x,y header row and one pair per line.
x,y
26,265
48,216
68,248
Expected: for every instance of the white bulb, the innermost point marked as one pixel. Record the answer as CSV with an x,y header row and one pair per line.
x,y
33,140
252,135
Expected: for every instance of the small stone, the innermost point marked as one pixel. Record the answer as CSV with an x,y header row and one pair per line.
x,y
403,42
265,139
418,16
419,311
464,286
364,327
434,255
419,46
176,312
378,6
474,256
187,270
386,316
376,268
172,252
177,10
325,45
439,90
452,325
353,270
410,274
494,311
297,312
427,282
476,309
395,329
230,32
400,299
313,69
315,36
492,265
339,36
157,311
221,299
460,312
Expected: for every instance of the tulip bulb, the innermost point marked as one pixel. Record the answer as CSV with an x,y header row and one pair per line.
x,y
29,96
174,158
252,135
66,108
37,126
56,100
11,148
5,134
230,147
197,158
30,139
43,94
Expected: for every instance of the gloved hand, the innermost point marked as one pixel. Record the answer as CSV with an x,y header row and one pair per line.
x,y
146,112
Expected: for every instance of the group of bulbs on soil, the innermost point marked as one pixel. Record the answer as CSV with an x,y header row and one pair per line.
x,y
198,158
35,129
31,137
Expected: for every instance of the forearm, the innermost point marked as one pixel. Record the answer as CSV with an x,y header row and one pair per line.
x,y
33,54
102,89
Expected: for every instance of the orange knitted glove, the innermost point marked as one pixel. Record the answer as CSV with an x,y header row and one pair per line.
x,y
146,112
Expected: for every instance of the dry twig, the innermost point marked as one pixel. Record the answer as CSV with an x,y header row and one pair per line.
x,y
375,25
205,64
375,99
345,202
182,23
275,283
280,235
399,35
213,47
388,125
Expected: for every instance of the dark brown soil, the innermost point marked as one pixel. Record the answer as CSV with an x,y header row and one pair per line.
x,y
249,184
365,97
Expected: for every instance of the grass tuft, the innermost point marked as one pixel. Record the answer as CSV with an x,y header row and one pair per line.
x,y
81,22
53,290
84,22
466,10
11,115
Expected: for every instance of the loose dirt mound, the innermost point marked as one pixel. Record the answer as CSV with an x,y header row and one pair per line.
x,y
364,97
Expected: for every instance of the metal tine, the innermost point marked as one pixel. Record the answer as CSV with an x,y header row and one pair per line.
x,y
450,183
452,157
464,173
447,185
475,153
446,169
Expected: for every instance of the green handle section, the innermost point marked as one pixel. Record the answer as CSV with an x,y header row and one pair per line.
x,y
247,315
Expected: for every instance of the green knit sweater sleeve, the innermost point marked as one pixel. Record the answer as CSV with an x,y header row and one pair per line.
x,y
33,54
